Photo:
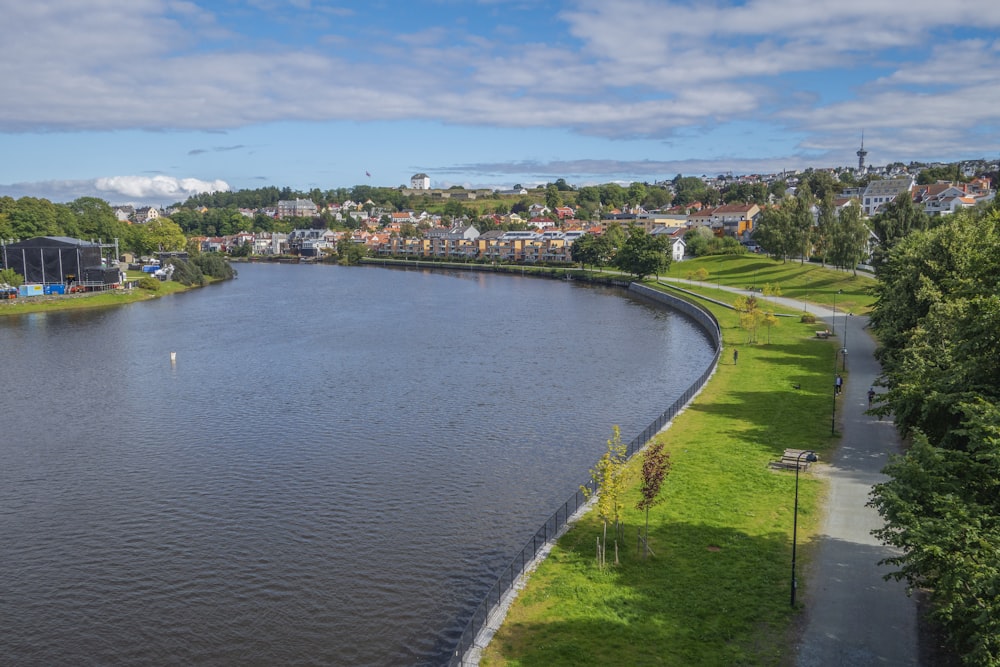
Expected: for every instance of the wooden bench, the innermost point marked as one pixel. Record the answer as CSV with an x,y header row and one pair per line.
x,y
789,459
823,334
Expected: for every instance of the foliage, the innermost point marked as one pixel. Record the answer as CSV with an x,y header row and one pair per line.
x,y
700,274
774,231
848,238
214,265
608,484
188,272
350,253
897,220
11,277
593,250
938,318
945,172
655,468
149,283
746,193
161,235
643,254
750,314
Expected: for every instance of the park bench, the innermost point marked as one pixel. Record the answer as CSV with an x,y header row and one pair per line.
x,y
788,460
823,334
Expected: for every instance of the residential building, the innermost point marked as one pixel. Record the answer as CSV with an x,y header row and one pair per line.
x,y
880,193
145,214
296,208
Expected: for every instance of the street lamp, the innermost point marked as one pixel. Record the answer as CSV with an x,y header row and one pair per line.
x,y
843,353
834,318
811,458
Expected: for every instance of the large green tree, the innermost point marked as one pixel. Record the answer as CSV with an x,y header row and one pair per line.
x,y
847,238
774,231
592,249
643,254
899,218
938,319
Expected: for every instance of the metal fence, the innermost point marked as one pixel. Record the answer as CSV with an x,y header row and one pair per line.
x,y
550,529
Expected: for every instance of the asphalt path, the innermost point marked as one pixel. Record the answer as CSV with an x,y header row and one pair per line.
x,y
851,615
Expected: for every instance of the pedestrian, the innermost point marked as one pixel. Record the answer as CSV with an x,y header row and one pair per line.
x,y
736,355
871,397
838,384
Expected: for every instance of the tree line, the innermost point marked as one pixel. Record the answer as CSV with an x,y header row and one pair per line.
x,y
86,218
937,318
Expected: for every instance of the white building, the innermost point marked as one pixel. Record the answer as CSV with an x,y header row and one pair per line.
x,y
420,181
880,193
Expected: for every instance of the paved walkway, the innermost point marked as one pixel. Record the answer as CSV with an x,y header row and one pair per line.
x,y
851,616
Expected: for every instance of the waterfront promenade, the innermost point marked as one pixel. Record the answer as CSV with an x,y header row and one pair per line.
x,y
851,616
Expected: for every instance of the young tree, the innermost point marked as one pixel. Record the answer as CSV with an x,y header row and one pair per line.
x,y
607,478
751,316
655,468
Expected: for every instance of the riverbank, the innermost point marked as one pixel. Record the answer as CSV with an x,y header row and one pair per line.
x,y
86,300
716,591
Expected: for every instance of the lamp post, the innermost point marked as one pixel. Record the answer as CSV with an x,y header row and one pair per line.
x,y
833,326
843,353
811,458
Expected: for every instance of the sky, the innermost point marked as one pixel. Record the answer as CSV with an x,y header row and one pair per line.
x,y
150,101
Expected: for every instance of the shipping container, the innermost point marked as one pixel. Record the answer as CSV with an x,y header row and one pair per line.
x,y
55,289
30,290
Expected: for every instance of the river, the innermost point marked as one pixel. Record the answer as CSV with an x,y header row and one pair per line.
x,y
332,471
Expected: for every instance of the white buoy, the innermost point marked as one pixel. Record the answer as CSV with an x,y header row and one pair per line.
x,y
173,357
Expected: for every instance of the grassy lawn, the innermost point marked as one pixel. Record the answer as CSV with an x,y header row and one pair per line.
x,y
44,304
804,282
717,590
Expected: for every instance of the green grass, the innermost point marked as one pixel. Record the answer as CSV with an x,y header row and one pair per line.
x,y
803,282
717,590
43,304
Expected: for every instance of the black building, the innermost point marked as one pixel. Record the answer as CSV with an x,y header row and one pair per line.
x,y
56,259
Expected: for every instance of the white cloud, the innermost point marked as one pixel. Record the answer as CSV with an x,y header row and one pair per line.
x,y
159,190
630,68
157,187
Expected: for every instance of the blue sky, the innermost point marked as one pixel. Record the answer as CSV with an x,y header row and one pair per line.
x,y
152,100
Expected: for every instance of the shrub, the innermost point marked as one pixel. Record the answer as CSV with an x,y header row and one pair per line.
x,y
214,265
808,318
149,283
187,273
11,277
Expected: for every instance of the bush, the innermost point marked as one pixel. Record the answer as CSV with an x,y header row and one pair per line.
x,y
187,273
149,283
808,318
214,265
11,277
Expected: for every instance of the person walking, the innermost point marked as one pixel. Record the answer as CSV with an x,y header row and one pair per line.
x,y
838,384
736,355
871,397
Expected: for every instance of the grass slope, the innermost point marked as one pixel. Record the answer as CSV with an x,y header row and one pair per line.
x,y
802,282
717,590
